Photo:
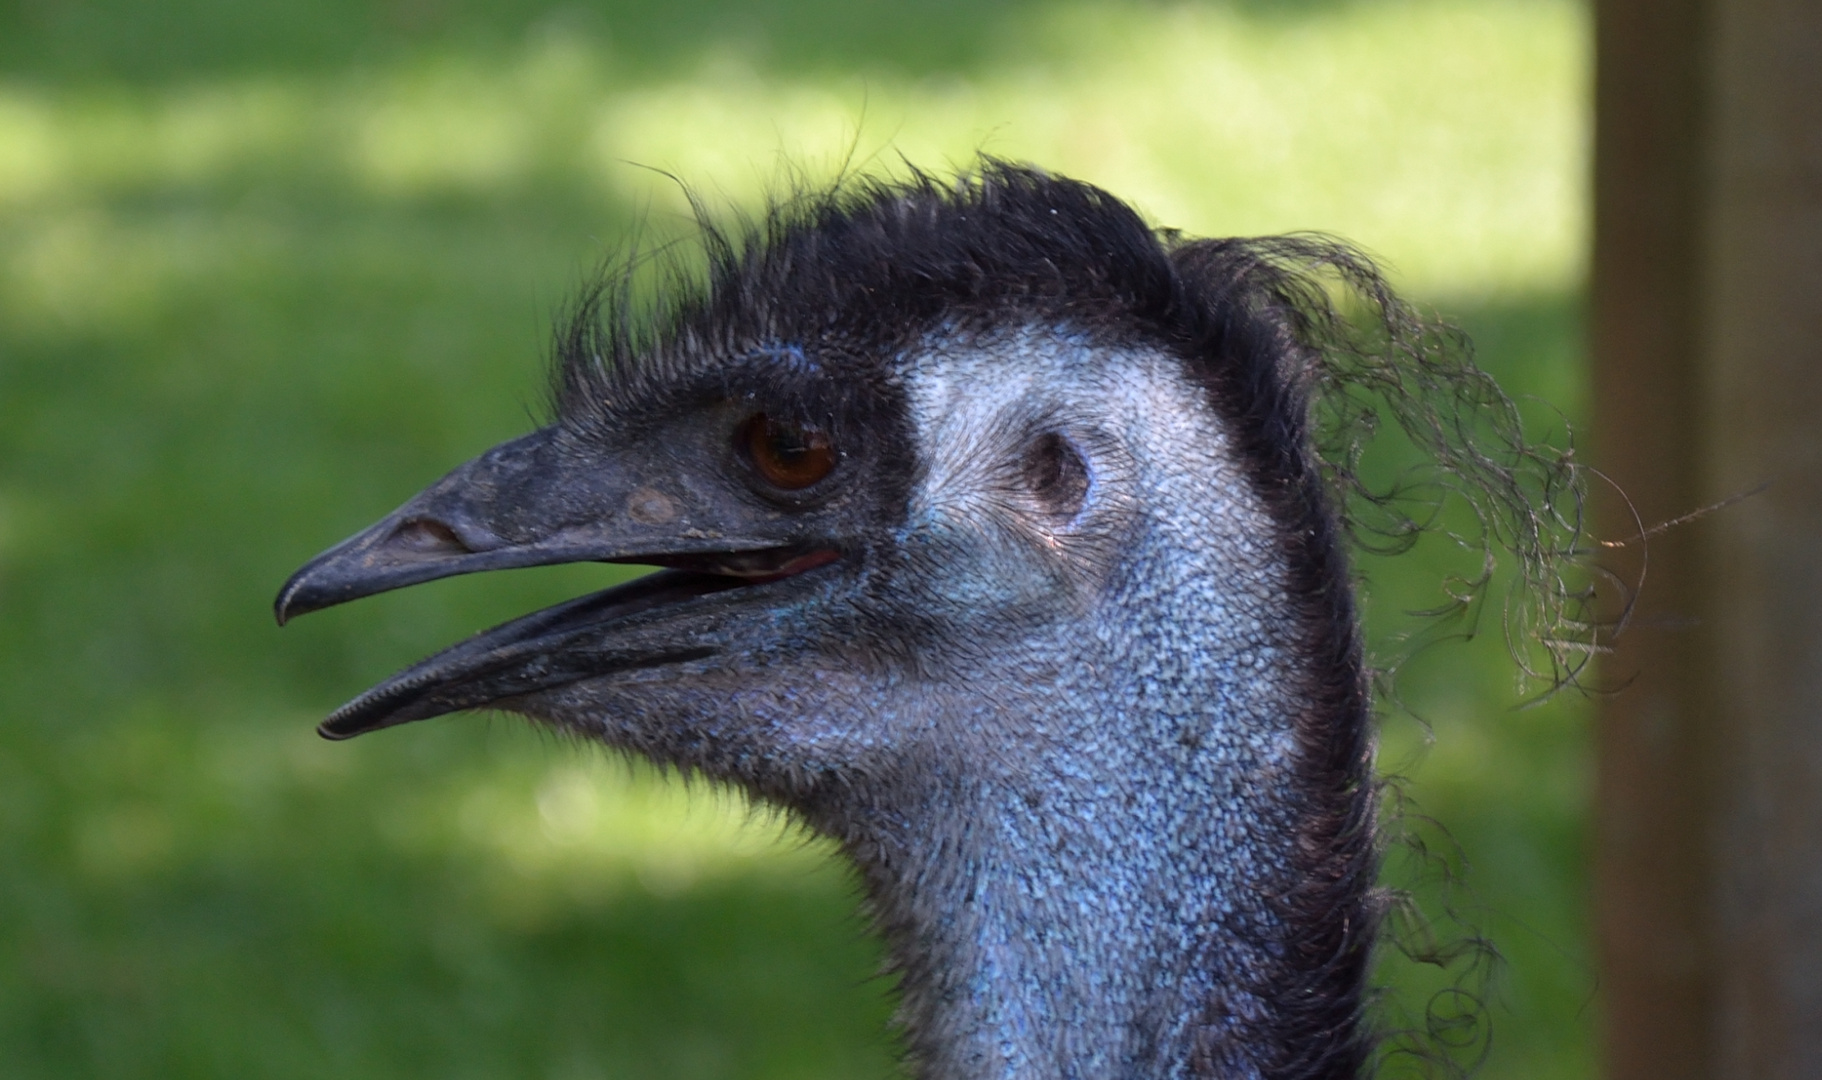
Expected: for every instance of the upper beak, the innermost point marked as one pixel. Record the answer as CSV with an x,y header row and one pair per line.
x,y
523,503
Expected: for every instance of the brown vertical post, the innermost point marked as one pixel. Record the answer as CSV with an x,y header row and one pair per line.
x,y
1763,424
1652,871
1707,336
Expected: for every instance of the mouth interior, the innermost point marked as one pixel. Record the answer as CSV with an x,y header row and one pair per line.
x,y
751,567
519,656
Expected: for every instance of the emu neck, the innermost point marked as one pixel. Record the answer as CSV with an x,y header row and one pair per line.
x,y
1084,881
1101,863
1109,912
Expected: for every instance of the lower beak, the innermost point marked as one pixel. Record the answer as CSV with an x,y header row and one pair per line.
x,y
591,636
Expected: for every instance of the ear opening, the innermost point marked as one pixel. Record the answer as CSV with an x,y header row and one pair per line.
x,y
1056,475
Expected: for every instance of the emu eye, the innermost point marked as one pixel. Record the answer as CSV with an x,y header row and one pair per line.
x,y
786,455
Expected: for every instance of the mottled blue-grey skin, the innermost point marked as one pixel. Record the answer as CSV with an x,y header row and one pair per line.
x,y
1061,650
1073,794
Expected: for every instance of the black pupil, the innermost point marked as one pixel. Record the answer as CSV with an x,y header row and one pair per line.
x,y
789,443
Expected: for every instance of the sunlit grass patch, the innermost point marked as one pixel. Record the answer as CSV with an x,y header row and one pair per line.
x,y
1448,137
583,828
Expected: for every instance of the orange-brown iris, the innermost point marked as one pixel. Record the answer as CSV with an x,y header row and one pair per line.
x,y
786,455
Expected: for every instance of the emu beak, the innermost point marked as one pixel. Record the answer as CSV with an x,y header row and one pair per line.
x,y
524,503
531,502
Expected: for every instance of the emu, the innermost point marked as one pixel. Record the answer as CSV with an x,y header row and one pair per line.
x,y
998,550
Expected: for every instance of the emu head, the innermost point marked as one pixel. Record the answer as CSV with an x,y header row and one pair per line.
x,y
997,553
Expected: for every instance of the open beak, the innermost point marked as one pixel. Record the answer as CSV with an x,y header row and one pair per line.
x,y
533,502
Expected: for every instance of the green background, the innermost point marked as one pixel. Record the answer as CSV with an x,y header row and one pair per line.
x,y
266,269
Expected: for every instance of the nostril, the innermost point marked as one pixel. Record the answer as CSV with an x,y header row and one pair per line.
x,y
428,537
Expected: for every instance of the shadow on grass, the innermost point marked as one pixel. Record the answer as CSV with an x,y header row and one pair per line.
x,y
186,40
296,961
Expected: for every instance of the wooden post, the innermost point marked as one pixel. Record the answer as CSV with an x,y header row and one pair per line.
x,y
1707,337
1764,424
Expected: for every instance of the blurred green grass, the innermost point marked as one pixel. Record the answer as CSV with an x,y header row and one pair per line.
x,y
266,269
